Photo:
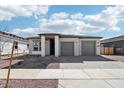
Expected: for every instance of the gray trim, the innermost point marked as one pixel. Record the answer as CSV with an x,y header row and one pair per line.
x,y
11,35
68,36
48,34
79,36
33,38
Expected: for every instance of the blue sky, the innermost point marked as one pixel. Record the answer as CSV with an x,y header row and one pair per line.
x,y
26,21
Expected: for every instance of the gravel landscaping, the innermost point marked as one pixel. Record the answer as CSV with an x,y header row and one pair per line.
x,y
51,62
35,62
30,83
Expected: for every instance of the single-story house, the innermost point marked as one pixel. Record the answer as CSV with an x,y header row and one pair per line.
x,y
6,42
116,43
64,45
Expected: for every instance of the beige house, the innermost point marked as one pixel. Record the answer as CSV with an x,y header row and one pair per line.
x,y
64,45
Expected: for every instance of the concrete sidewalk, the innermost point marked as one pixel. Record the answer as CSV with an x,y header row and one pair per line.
x,y
63,73
72,78
92,83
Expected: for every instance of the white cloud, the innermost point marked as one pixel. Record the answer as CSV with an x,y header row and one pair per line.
x,y
67,23
8,12
61,15
27,32
67,26
108,18
77,16
114,29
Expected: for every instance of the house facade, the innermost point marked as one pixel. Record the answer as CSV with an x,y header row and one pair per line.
x,y
64,45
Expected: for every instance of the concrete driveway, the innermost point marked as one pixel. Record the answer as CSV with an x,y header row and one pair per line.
x,y
93,65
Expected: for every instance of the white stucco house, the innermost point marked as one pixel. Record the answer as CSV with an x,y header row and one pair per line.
x,y
64,45
6,42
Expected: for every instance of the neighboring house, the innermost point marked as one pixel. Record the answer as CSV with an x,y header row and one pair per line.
x,y
64,45
6,42
116,43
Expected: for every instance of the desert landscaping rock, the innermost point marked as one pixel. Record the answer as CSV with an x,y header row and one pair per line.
x,y
18,83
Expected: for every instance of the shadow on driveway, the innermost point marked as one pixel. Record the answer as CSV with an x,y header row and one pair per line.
x,y
38,62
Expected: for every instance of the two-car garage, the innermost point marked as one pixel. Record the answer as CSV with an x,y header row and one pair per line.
x,y
88,48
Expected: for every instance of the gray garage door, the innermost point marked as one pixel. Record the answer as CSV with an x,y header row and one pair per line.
x,y
67,48
88,48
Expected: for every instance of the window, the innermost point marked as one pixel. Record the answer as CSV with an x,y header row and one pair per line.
x,y
35,48
16,45
37,45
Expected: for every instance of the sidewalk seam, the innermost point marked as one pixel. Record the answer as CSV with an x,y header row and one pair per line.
x,y
108,83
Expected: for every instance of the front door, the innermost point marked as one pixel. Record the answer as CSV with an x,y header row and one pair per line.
x,y
52,47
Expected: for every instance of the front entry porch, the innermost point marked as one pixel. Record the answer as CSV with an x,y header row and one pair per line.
x,y
50,45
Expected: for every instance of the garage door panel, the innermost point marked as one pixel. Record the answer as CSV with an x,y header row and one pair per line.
x,y
88,48
67,48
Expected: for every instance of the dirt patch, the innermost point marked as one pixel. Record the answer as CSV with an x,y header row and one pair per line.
x,y
5,63
114,57
30,83
53,66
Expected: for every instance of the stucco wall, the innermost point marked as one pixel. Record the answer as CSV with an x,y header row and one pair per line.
x,y
77,46
7,47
